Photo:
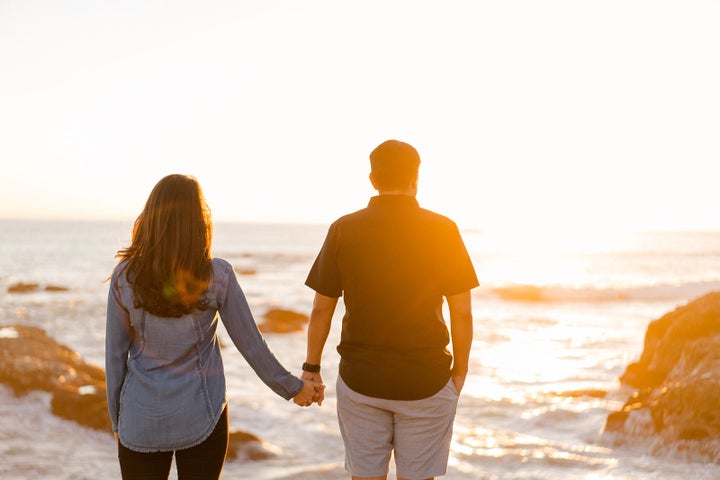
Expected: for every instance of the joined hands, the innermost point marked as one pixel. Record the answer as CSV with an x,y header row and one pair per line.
x,y
313,390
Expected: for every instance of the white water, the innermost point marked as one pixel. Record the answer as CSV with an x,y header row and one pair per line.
x,y
591,305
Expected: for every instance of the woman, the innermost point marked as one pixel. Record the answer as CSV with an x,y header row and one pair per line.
x,y
165,380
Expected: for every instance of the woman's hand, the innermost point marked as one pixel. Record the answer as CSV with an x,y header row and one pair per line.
x,y
312,392
317,378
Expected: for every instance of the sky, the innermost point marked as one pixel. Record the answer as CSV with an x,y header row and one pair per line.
x,y
528,115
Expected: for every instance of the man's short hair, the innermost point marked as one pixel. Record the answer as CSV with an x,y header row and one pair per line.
x,y
394,165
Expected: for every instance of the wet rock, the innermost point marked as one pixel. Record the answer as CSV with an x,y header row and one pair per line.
x,y
246,446
56,288
21,287
677,379
245,271
615,421
283,321
667,337
30,360
86,405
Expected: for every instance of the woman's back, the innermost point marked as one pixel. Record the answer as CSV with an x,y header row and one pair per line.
x,y
164,373
174,380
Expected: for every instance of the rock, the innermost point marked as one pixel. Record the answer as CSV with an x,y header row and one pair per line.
x,y
21,287
283,321
677,378
56,288
246,446
31,360
690,400
85,405
666,338
615,421
245,271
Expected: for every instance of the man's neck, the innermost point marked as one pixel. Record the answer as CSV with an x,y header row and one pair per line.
x,y
410,192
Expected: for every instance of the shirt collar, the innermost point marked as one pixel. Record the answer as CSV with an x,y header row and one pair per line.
x,y
393,201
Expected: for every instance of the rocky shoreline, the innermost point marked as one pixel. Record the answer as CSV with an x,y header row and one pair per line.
x,y
673,389
675,384
31,360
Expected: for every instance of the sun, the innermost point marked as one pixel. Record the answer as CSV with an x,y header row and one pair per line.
x,y
540,258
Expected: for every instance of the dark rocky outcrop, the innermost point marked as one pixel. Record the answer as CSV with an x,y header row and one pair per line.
x,y
283,321
677,378
31,360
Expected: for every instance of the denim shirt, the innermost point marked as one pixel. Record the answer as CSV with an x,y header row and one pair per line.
x,y
165,378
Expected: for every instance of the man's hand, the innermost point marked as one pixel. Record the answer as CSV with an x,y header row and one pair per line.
x,y
317,333
319,395
311,390
458,380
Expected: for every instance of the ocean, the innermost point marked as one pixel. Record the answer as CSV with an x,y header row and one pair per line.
x,y
553,314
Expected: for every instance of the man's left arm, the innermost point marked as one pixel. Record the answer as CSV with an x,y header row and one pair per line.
x,y
461,332
317,334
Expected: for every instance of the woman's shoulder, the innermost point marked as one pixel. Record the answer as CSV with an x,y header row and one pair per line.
x,y
222,270
119,273
221,265
222,278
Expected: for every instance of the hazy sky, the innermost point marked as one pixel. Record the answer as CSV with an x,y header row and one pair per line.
x,y
527,114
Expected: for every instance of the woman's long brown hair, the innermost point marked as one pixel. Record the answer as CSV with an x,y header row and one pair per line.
x,y
169,260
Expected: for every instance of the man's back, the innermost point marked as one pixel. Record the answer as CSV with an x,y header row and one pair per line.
x,y
398,385
393,262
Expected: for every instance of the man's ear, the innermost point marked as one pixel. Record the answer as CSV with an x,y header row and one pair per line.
x,y
372,180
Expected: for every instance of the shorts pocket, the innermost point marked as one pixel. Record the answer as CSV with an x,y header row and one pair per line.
x,y
453,388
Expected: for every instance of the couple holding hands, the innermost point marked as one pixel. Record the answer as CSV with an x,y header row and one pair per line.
x,y
393,263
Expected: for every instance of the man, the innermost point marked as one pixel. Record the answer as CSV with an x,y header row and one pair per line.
x,y
394,262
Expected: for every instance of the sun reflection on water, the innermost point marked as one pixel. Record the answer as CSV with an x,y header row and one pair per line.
x,y
523,449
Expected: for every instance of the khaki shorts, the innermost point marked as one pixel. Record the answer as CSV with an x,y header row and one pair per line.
x,y
417,432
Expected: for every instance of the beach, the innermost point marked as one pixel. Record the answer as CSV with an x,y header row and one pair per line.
x,y
552,321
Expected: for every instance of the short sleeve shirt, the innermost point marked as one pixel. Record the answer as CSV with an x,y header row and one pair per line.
x,y
393,262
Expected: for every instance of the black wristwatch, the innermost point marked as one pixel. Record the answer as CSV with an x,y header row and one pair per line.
x,y
309,367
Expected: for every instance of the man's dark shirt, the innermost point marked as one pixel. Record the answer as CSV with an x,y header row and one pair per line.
x,y
393,262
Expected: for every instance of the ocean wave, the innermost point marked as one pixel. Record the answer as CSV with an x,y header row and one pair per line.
x,y
658,292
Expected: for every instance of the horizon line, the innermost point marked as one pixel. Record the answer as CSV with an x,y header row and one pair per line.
x,y
319,223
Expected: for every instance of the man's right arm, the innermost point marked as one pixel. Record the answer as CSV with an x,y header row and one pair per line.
x,y
318,331
461,331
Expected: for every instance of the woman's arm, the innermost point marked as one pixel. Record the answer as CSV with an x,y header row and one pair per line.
x,y
118,337
239,322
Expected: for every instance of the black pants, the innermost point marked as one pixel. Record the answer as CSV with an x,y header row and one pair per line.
x,y
201,462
